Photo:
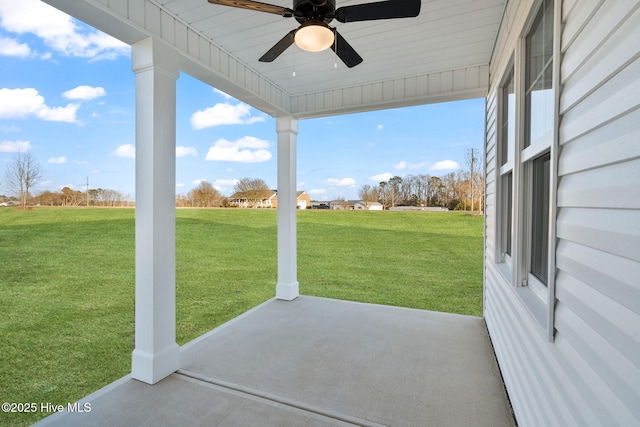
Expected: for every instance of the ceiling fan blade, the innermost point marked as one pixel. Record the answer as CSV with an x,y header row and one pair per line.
x,y
345,52
381,10
255,5
279,47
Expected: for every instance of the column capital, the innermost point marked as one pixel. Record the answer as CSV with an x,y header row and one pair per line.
x,y
151,54
287,124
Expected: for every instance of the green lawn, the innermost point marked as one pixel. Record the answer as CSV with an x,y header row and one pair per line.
x,y
67,281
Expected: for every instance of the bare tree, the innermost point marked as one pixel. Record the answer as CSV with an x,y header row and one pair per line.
x,y
22,174
368,194
422,189
393,186
253,190
205,195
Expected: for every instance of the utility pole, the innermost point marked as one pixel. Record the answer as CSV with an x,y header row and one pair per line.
x,y
87,191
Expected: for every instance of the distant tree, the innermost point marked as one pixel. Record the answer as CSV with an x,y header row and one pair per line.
x,y
204,195
421,189
22,174
71,197
435,191
112,198
389,192
49,198
368,194
253,190
182,200
382,194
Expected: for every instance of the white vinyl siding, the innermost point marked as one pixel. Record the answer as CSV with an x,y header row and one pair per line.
x,y
589,374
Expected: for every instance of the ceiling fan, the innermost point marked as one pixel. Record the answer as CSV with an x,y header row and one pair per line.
x,y
314,33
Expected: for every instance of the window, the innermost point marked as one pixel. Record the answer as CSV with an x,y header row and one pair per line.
x,y
508,132
525,177
538,138
507,213
539,256
538,81
507,138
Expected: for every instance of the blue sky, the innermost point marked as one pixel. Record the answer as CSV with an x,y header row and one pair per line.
x,y
67,96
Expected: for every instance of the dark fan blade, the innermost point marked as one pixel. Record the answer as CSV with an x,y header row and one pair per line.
x,y
345,52
279,47
382,10
255,5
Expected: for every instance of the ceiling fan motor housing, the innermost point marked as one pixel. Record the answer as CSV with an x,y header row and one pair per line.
x,y
314,10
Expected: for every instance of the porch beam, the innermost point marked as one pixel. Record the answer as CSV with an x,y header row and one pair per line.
x,y
156,354
287,287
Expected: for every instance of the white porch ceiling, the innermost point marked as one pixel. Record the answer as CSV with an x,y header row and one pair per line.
x,y
441,55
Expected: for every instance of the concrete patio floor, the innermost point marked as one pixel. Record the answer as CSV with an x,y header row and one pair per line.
x,y
318,362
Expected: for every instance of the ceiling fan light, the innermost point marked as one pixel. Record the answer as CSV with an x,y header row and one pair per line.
x,y
314,37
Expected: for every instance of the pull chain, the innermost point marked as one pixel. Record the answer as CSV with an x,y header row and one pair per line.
x,y
294,62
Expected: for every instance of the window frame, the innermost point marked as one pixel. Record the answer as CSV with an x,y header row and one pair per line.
x,y
505,211
539,298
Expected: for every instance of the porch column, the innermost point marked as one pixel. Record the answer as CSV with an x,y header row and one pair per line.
x,y
156,354
287,288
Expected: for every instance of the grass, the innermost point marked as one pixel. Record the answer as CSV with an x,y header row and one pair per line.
x,y
67,281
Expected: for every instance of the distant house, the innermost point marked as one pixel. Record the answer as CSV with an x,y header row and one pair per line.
x,y
368,206
303,201
254,199
266,199
342,205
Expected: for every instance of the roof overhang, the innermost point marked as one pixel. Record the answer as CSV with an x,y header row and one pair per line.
x,y
442,55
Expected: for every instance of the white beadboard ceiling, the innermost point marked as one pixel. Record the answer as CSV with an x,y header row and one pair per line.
x,y
441,55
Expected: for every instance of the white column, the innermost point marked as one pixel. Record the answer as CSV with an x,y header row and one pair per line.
x,y
287,288
156,354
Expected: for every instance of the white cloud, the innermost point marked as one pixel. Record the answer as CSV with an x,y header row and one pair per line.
x,y
404,165
85,93
224,114
58,30
445,165
344,182
198,181
381,177
57,160
14,146
180,185
379,127
318,191
11,47
21,103
185,151
245,150
126,151
400,166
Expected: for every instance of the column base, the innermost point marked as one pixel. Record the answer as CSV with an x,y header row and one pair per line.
x,y
151,368
288,292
